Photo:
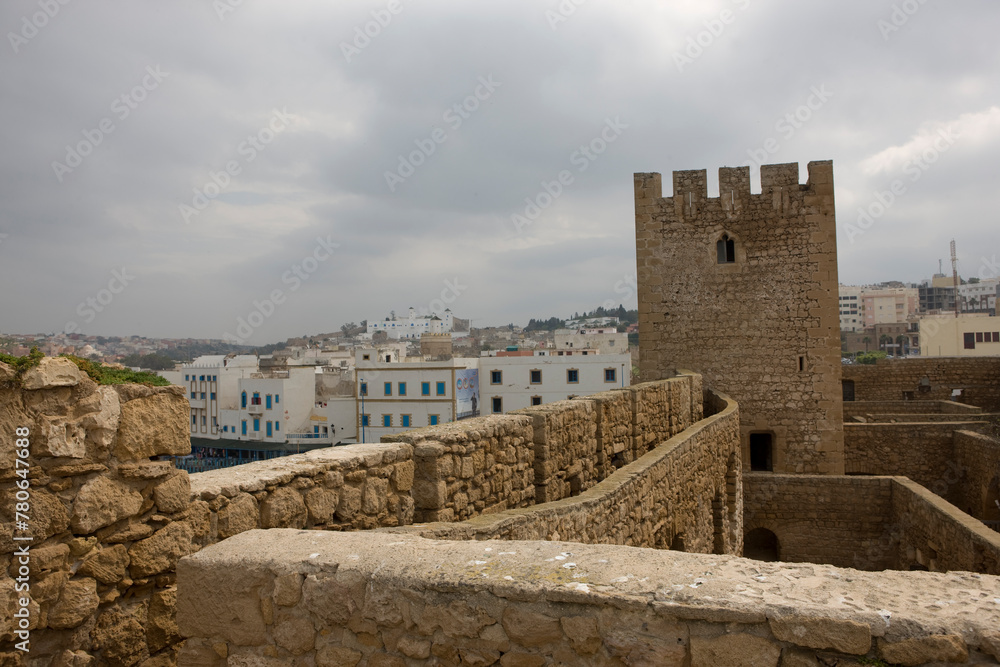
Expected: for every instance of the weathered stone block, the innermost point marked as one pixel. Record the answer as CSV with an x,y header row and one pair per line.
x,y
174,494
107,565
283,508
734,650
153,425
823,633
920,650
52,372
160,552
101,502
239,515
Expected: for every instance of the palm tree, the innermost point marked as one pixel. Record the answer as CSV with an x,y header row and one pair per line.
x,y
900,339
883,340
866,340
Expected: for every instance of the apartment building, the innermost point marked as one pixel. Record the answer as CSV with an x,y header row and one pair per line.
x,y
395,393
519,379
963,336
605,340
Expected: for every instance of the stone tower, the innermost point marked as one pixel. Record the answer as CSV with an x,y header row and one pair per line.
x,y
743,289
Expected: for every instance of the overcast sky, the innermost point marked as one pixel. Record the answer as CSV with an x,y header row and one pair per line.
x,y
180,163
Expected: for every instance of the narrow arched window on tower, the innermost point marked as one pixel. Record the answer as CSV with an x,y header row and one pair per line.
x,y
726,249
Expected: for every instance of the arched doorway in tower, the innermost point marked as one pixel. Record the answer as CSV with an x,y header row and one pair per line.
x,y
761,544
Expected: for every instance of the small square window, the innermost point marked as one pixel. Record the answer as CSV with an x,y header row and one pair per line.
x,y
387,421
573,376
405,420
536,377
402,389
425,388
194,394
610,374
536,400
366,357
996,336
365,419
496,377
979,336
387,389
440,389
432,420
497,404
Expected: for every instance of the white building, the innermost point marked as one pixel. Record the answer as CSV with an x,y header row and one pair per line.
x,y
979,297
209,380
395,394
850,308
605,340
515,380
271,407
412,326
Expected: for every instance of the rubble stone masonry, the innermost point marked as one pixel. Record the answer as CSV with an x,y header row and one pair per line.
x,y
977,380
742,288
283,597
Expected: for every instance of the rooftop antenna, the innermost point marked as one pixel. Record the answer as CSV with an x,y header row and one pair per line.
x,y
954,273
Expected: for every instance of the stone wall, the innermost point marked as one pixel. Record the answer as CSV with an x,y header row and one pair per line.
x,y
107,524
867,523
763,328
893,379
935,535
471,467
916,407
978,457
270,598
698,510
843,521
922,451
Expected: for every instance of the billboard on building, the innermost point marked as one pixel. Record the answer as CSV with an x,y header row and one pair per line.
x,y
467,392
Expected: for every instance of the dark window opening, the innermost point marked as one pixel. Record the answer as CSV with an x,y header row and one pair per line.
x,y
726,250
760,452
970,341
848,386
497,404
761,544
802,363
677,544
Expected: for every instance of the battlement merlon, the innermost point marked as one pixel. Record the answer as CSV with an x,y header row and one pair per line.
x,y
692,185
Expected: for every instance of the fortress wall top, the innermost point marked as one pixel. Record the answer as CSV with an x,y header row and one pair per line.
x,y
974,381
742,288
108,524
349,598
700,509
